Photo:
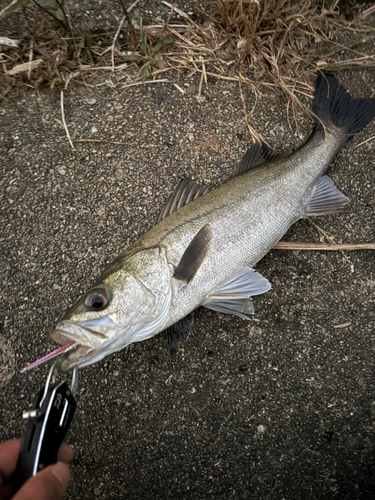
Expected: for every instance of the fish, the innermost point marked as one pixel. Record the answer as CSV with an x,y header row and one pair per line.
x,y
206,242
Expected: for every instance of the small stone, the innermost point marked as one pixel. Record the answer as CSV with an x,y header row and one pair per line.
x,y
160,99
205,111
94,129
62,169
90,100
56,287
191,89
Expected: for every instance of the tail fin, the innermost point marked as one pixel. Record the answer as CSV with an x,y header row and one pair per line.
x,y
334,106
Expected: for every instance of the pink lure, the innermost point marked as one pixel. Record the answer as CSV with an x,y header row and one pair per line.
x,y
51,355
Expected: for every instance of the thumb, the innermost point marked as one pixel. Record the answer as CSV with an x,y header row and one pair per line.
x,y
48,484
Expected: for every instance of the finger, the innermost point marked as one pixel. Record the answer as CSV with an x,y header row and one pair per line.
x,y
9,452
49,484
65,453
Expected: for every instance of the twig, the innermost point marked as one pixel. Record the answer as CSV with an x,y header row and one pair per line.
x,y
63,120
368,11
328,237
180,12
50,14
286,245
127,17
68,22
255,137
179,89
87,67
144,83
2,12
70,77
4,40
30,59
114,42
364,142
323,233
200,87
204,74
102,140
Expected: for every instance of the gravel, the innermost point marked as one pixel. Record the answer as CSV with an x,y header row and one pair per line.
x,y
282,406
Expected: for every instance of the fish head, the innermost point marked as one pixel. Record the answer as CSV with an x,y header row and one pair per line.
x,y
127,304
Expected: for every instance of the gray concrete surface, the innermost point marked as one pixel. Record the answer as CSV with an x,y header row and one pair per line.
x,y
281,407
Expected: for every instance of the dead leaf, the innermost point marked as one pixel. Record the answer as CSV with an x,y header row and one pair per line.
x,y
29,66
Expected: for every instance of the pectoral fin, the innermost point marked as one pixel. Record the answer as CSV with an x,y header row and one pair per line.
x,y
234,297
194,255
326,198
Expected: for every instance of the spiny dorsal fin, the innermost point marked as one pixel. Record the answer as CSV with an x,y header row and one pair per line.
x,y
178,333
326,198
185,192
255,156
234,297
194,255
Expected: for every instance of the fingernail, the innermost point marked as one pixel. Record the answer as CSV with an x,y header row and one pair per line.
x,y
61,472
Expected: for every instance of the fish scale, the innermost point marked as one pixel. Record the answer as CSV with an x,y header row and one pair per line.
x,y
202,252
248,215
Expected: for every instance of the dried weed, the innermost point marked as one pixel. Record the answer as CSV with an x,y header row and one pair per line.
x,y
279,44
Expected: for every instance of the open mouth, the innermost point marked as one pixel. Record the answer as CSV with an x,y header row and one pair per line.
x,y
76,337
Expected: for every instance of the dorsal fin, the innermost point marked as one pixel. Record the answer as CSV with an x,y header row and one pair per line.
x,y
255,156
185,192
194,255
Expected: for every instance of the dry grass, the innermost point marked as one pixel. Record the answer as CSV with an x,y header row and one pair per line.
x,y
258,43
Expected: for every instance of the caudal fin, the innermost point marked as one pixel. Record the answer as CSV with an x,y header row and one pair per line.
x,y
334,106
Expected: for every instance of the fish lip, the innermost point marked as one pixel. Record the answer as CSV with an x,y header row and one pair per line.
x,y
66,331
60,337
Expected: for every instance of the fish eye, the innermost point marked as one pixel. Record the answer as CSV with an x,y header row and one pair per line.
x,y
97,300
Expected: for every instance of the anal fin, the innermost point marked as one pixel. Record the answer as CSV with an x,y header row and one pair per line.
x,y
234,297
326,198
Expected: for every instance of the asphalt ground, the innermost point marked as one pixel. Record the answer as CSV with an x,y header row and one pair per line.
x,y
280,407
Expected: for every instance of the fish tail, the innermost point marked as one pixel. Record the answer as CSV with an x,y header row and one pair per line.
x,y
334,107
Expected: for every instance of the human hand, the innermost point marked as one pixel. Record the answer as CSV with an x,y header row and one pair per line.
x,y
48,484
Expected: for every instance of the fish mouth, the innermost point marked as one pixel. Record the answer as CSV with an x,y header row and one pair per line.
x,y
79,350
78,331
89,337
81,342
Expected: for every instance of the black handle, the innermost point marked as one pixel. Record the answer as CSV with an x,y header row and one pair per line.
x,y
45,432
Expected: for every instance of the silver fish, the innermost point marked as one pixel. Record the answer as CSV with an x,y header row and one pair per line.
x,y
204,248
